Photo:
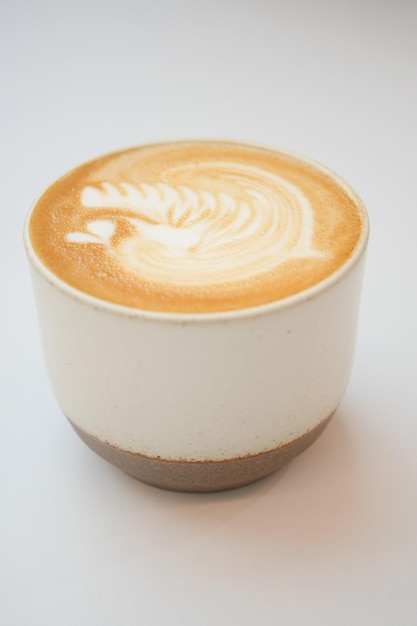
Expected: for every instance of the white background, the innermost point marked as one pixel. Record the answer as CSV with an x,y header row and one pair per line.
x,y
331,539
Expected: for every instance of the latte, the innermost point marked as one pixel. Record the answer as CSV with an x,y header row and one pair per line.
x,y
196,227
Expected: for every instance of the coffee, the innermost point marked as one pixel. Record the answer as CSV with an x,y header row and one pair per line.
x,y
196,226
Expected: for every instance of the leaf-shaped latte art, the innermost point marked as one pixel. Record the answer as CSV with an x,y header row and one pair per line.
x,y
185,235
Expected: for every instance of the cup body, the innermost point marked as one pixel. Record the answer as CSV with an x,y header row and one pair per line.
x,y
199,390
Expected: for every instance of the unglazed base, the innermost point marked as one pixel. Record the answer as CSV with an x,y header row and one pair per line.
x,y
201,476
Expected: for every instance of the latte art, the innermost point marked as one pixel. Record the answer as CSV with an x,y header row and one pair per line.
x,y
187,236
195,226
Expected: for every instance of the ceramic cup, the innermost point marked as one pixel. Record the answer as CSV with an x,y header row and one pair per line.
x,y
200,402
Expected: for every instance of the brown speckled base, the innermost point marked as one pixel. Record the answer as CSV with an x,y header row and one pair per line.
x,y
201,476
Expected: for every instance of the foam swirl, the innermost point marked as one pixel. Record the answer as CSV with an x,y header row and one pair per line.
x,y
182,234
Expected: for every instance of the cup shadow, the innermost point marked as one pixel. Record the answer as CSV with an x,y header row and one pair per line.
x,y
322,504
330,503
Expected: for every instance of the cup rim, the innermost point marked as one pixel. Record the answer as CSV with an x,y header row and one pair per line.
x,y
213,316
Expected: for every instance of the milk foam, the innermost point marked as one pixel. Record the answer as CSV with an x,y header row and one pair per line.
x,y
196,226
184,235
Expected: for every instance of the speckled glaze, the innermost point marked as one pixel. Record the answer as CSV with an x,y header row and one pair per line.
x,y
200,402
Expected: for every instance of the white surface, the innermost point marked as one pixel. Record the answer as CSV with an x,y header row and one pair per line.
x,y
332,539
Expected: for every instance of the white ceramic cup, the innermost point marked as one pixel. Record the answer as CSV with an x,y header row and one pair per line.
x,y
200,402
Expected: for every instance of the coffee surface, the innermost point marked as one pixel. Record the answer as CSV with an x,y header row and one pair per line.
x,y
195,226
